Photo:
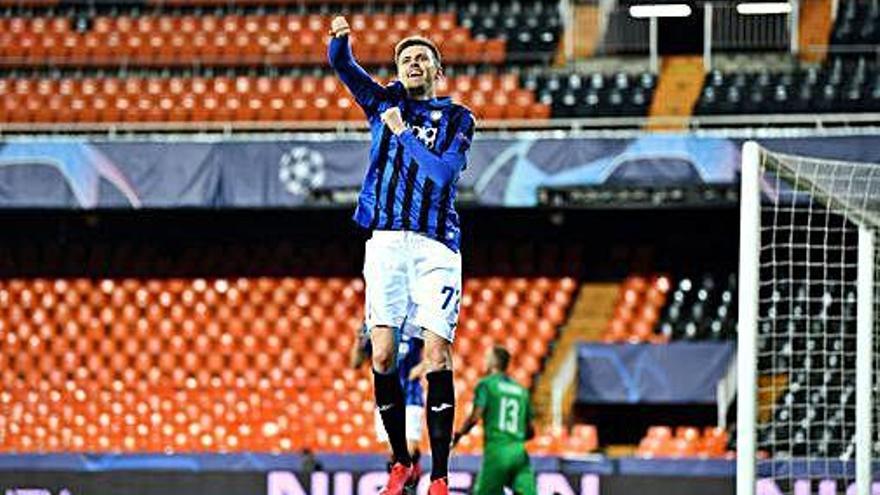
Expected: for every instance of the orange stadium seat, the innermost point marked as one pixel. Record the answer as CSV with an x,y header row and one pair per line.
x,y
637,310
220,98
228,39
151,371
687,441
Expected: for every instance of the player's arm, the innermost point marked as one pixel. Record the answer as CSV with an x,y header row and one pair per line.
x,y
366,91
469,423
480,398
359,350
441,168
530,421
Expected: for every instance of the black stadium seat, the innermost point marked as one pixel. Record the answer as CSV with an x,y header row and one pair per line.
x,y
841,85
701,308
576,95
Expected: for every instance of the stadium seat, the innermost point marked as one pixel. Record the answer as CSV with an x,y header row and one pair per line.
x,y
230,38
701,311
577,95
856,25
532,29
220,98
651,310
639,303
841,84
224,365
659,441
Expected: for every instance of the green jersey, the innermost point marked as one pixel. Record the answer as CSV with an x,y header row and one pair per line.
x,y
507,410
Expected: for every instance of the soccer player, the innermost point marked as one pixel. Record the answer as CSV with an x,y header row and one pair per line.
x,y
412,264
410,369
506,411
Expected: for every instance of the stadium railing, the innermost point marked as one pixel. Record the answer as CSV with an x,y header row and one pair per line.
x,y
808,121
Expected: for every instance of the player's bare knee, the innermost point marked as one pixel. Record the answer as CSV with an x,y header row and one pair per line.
x,y
383,359
438,357
384,348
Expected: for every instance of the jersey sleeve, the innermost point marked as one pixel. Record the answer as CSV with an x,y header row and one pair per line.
x,y
366,91
443,167
481,395
466,130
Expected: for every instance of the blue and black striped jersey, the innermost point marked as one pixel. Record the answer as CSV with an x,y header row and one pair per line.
x,y
411,180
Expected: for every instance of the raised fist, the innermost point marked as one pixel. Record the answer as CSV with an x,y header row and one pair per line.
x,y
339,27
394,120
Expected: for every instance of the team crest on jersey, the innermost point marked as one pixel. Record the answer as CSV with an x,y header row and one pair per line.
x,y
301,169
436,115
427,135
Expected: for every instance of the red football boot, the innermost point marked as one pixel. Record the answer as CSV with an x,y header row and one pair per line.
x,y
438,487
413,482
397,479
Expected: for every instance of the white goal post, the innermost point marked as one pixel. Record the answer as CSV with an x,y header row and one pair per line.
x,y
807,357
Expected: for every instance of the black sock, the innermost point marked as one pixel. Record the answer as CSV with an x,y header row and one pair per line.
x,y
389,400
441,414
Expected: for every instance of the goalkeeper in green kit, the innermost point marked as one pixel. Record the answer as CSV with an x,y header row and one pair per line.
x,y
506,410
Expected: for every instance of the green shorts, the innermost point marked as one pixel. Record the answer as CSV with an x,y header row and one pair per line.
x,y
505,465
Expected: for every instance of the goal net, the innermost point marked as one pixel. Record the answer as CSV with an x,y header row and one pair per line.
x,y
807,410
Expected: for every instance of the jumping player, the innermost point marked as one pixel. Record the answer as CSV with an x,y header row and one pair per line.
x,y
412,264
410,369
506,411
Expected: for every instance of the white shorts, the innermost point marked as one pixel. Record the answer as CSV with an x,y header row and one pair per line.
x,y
414,279
414,419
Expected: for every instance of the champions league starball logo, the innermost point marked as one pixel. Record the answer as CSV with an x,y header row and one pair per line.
x,y
301,169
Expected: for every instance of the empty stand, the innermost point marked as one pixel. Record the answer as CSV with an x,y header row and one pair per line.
x,y
223,365
531,28
652,309
638,310
684,441
63,61
811,360
228,39
236,97
573,94
857,25
840,85
701,308
581,440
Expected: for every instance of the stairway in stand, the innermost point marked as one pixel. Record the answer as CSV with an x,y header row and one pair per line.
x,y
592,310
678,89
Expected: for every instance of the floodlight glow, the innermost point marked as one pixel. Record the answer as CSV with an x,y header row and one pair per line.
x,y
660,10
763,8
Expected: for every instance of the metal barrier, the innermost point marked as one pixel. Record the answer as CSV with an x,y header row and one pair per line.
x,y
756,121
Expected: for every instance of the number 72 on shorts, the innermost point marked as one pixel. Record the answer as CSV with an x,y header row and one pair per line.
x,y
448,292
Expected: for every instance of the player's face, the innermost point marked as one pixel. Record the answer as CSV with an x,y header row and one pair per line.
x,y
417,68
490,361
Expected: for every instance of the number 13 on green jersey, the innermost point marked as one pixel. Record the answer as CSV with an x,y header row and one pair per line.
x,y
506,409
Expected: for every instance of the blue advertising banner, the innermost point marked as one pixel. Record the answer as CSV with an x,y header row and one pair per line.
x,y
675,373
272,172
